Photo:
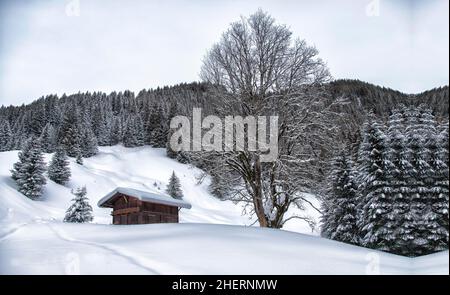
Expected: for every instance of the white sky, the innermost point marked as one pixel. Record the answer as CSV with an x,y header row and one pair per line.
x,y
118,45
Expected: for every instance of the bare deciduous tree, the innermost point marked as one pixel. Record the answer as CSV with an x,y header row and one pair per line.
x,y
259,69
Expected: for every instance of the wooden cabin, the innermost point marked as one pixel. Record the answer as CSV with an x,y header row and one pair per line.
x,y
131,206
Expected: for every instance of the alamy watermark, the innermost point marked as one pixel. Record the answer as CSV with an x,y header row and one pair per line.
x,y
232,133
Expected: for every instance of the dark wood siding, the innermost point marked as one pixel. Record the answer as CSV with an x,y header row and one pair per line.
x,y
130,210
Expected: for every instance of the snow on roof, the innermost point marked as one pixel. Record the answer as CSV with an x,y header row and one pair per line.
x,y
144,196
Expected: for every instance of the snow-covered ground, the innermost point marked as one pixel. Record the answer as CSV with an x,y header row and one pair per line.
x,y
33,240
58,248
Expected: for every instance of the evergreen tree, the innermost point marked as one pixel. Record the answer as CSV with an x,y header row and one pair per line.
x,y
437,217
28,172
420,133
104,131
36,121
80,211
59,170
20,135
116,131
217,188
132,136
48,138
174,187
157,128
399,178
69,133
339,218
97,120
88,142
375,220
140,136
5,136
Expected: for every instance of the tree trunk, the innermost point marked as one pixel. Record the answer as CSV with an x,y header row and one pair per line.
x,y
258,197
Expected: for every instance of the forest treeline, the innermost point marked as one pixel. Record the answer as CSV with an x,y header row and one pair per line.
x,y
133,119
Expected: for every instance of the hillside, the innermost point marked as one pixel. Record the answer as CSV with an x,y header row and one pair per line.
x,y
30,228
141,168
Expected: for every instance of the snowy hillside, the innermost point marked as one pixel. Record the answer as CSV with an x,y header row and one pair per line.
x,y
139,168
33,240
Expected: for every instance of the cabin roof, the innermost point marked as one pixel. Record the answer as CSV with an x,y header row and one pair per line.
x,y
145,196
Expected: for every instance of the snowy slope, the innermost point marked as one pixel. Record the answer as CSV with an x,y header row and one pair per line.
x,y
58,248
33,240
138,168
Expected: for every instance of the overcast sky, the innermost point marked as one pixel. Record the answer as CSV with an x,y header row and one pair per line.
x,y
104,45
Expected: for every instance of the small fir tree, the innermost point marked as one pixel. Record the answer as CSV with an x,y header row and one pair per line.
x,y
174,187
80,211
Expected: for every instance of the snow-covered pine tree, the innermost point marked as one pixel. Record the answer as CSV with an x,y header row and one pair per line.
x,y
96,120
5,136
88,142
129,135
59,169
70,134
437,219
48,138
157,129
140,136
419,134
29,171
116,131
20,135
375,223
430,219
174,187
80,211
398,177
104,131
132,136
339,210
217,188
35,121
